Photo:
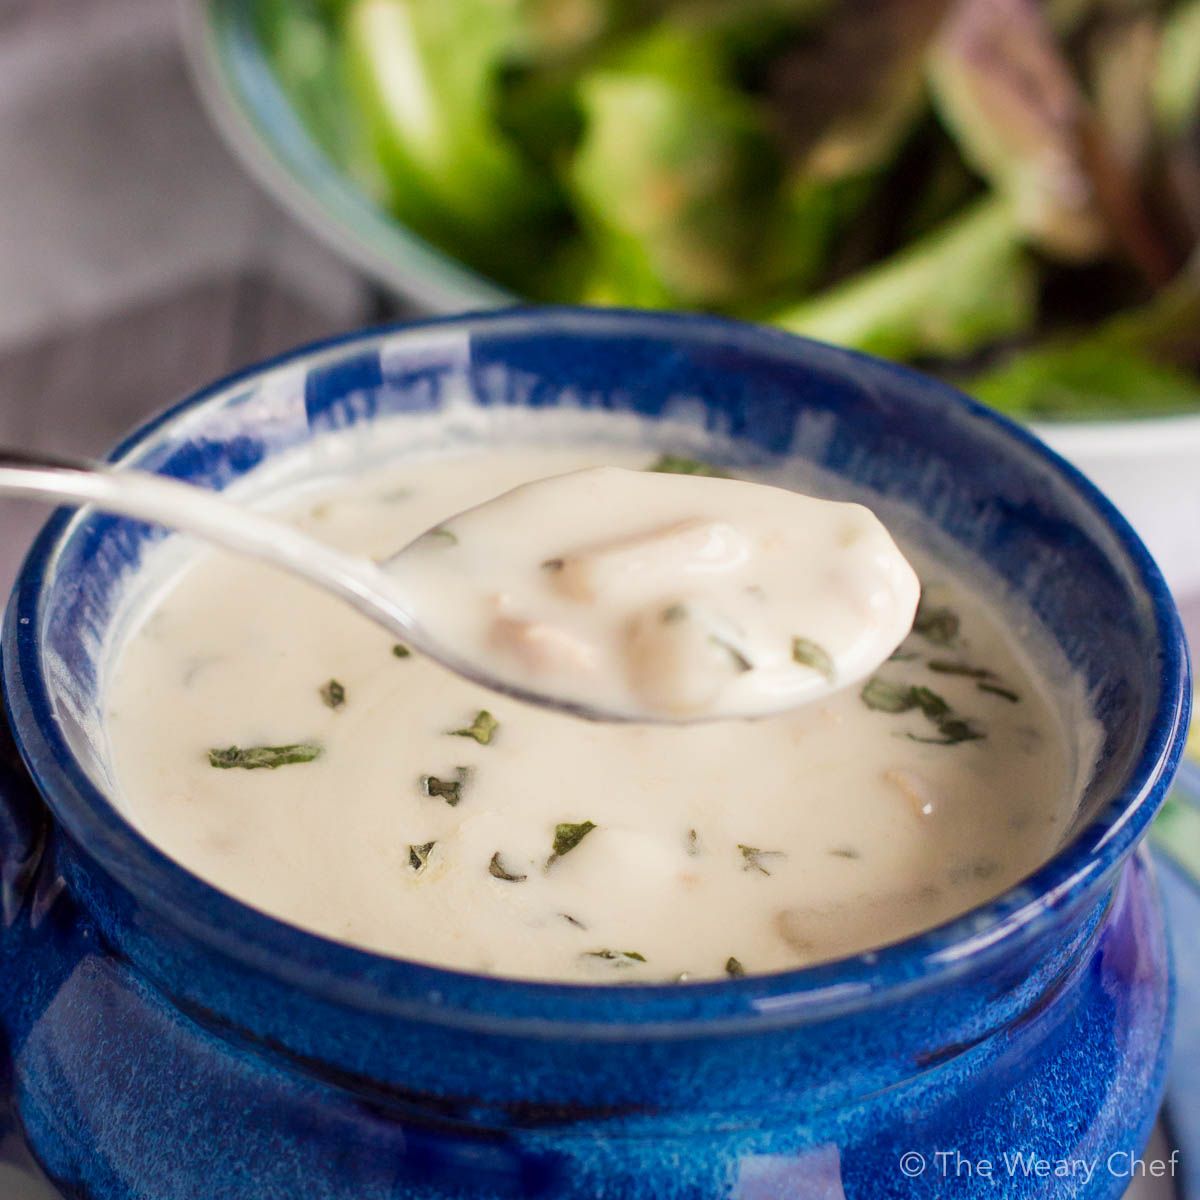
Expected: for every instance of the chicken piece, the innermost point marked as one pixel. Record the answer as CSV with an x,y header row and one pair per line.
x,y
541,647
646,562
922,798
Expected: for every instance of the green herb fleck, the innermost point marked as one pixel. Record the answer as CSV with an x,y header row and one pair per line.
x,y
254,758
401,651
678,464
333,694
496,869
845,852
953,730
752,858
994,689
572,920
482,729
554,564
567,837
733,968
619,958
418,856
882,696
673,614
808,653
936,624
929,702
945,666
891,698
449,790
439,533
693,843
739,659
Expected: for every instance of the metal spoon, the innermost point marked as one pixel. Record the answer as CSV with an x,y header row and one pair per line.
x,y
195,510
412,594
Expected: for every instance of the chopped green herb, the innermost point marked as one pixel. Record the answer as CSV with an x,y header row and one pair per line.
x,y
418,856
902,655
891,698
693,843
929,702
567,837
739,659
572,920
441,534
845,852
496,868
959,729
333,694
944,666
482,729
733,968
254,758
620,958
809,654
882,696
553,564
752,858
673,614
401,651
994,689
936,624
449,790
678,464
953,730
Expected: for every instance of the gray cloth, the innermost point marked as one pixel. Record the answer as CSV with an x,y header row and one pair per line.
x,y
137,261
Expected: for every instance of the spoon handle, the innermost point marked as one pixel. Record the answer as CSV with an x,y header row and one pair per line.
x,y
198,511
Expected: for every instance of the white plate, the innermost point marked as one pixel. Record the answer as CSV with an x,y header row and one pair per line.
x,y
1150,469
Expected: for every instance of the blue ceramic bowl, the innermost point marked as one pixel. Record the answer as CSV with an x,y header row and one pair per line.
x,y
164,1040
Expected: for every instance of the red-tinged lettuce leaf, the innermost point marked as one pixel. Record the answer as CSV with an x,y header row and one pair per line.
x,y
1007,95
846,97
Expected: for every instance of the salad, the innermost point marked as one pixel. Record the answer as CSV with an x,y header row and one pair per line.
x,y
1006,192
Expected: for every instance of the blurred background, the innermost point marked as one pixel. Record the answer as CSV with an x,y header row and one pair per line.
x,y
1004,192
137,261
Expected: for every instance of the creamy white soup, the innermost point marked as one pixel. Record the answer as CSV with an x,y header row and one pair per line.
x,y
663,595
283,748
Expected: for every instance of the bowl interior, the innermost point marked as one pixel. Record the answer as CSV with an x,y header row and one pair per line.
x,y
703,386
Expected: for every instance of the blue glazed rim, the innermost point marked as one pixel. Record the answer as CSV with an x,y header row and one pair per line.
x,y
409,990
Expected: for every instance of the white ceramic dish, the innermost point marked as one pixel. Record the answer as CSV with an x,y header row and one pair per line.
x,y
1150,468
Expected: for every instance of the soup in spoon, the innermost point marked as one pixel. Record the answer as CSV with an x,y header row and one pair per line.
x,y
289,752
661,595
